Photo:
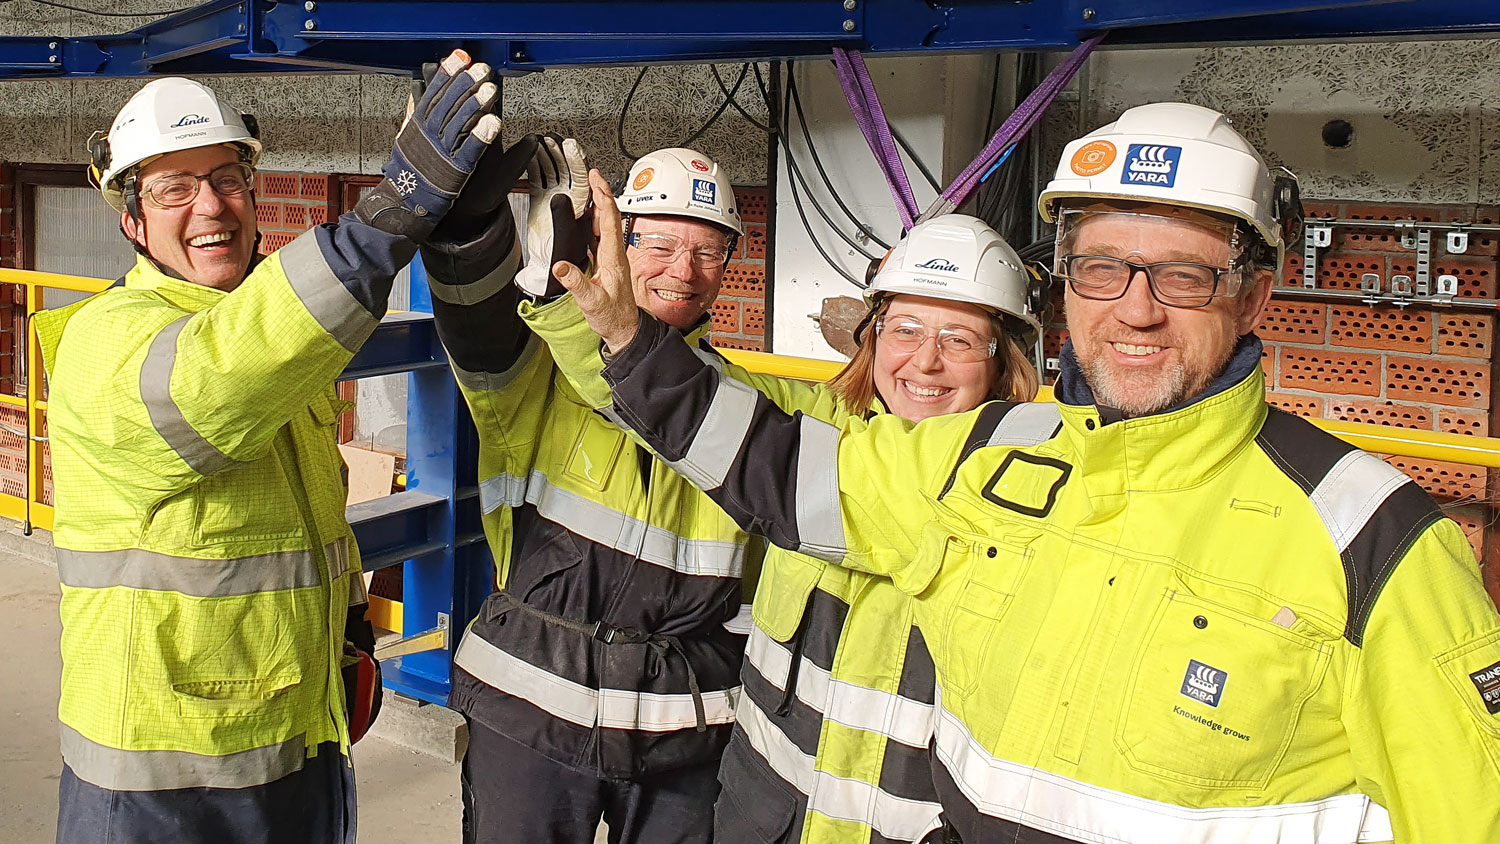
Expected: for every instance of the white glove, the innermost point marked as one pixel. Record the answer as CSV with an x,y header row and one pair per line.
x,y
557,226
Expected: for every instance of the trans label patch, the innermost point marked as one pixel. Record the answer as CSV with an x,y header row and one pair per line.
x,y
1487,681
1204,683
704,191
1151,164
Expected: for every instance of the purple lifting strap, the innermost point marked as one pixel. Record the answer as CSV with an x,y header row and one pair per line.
x,y
865,104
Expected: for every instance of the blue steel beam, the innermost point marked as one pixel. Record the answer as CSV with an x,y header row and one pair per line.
x,y
519,36
1393,20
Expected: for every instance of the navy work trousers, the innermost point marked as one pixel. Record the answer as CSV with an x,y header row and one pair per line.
x,y
312,806
514,795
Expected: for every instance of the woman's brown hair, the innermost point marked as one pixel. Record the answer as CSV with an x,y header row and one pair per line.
x,y
1016,379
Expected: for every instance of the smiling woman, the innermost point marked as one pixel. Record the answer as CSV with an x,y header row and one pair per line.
x,y
948,326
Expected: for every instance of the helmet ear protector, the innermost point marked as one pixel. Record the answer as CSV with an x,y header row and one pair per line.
x,y
1286,204
876,265
1038,292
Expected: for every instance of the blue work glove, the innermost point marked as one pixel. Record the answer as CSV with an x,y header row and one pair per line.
x,y
559,225
448,127
479,234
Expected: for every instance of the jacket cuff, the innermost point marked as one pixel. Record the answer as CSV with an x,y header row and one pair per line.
x,y
649,334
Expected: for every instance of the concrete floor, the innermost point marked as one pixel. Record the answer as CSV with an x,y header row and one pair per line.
x,y
404,797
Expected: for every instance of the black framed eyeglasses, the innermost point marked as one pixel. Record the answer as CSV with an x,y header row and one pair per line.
x,y
179,189
1176,284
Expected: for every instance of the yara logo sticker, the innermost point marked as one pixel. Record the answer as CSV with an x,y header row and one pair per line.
x,y
1204,683
189,120
938,264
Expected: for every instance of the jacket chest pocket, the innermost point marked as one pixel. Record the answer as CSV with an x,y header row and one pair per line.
x,y
1217,687
595,450
993,568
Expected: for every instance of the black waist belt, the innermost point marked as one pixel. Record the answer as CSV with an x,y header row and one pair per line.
x,y
610,634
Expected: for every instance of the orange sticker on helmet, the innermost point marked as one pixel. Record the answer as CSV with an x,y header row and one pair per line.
x,y
1093,158
642,179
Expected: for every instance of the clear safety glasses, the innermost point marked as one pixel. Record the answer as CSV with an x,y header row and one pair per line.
x,y
1089,259
666,247
906,334
178,189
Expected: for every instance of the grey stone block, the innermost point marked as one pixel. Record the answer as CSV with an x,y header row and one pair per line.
x,y
427,728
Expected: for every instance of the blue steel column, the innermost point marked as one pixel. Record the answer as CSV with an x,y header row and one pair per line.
x,y
441,460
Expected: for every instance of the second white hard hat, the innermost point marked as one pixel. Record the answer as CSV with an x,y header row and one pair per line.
x,y
1173,154
959,258
167,115
681,182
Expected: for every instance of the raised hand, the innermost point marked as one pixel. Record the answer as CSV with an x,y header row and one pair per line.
x,y
606,297
447,128
557,227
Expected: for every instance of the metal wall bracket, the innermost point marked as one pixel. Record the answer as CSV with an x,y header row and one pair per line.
x,y
1447,285
427,640
1458,242
1316,237
1369,283
1424,262
1401,289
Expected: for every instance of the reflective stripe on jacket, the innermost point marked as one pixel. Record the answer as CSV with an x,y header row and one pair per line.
x,y
206,565
1212,624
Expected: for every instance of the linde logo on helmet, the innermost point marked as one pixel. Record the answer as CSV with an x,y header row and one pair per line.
x,y
189,120
705,191
940,264
1151,164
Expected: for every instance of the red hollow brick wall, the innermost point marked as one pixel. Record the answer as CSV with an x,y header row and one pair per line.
x,y
739,315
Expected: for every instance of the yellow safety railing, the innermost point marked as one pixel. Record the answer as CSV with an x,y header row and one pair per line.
x,y
29,509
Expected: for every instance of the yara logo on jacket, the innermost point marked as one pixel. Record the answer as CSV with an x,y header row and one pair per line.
x,y
1204,683
189,120
939,264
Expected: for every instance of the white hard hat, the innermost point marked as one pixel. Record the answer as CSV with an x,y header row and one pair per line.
x,y
681,182
959,258
1175,154
166,115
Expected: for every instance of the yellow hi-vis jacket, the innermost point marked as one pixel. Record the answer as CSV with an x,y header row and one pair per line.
x,y
834,723
1212,624
206,565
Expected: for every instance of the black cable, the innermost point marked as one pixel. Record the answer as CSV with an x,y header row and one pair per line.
x,y
714,69
147,14
791,162
797,199
910,153
838,268
713,118
796,100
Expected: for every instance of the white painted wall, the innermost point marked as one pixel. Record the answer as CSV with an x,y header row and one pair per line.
x,y
938,103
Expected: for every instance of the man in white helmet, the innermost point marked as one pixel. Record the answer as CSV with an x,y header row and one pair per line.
x,y
599,680
216,660
1159,610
